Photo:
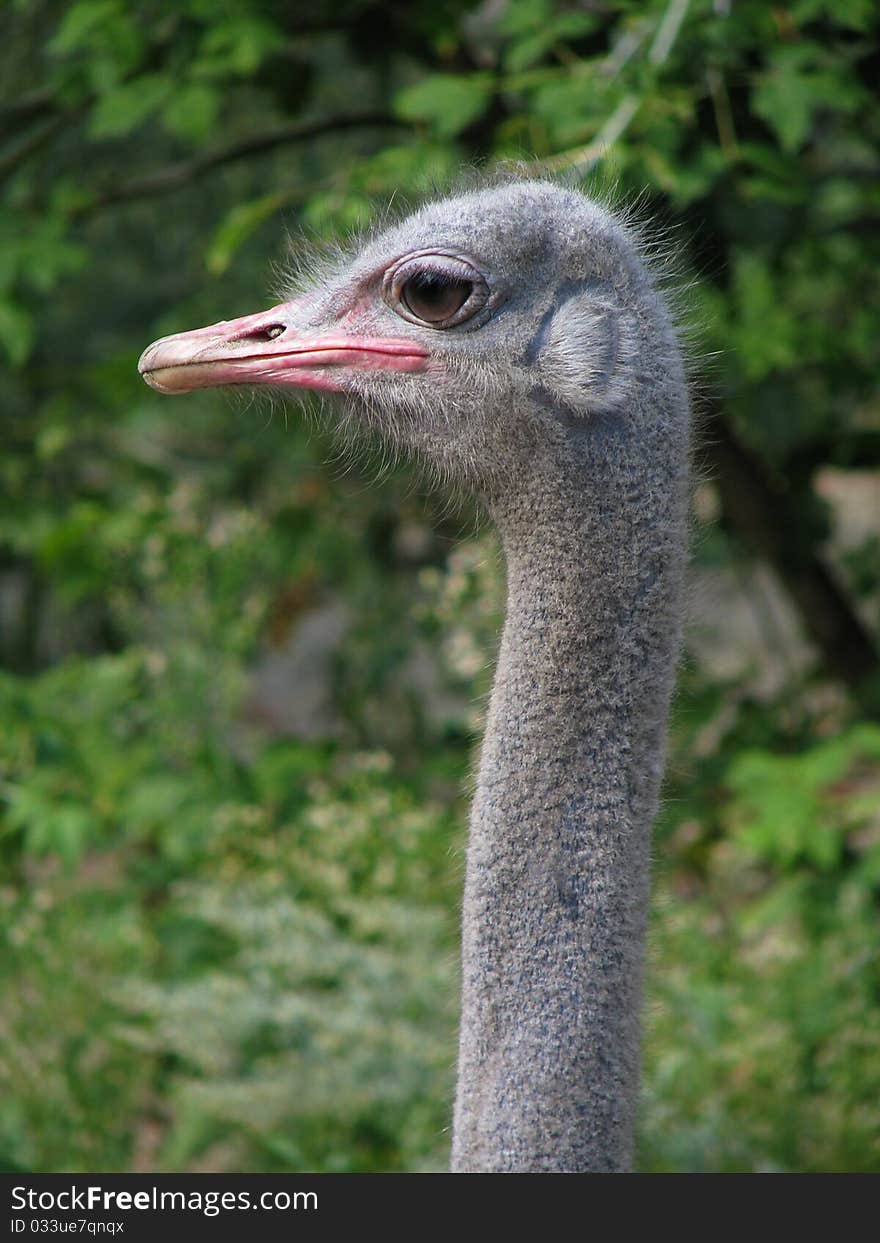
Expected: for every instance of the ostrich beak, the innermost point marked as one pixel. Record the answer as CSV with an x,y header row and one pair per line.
x,y
266,349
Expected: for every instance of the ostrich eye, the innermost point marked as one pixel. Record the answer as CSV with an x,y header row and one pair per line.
x,y
434,297
436,290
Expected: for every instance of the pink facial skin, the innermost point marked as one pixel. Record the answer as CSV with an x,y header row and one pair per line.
x,y
262,349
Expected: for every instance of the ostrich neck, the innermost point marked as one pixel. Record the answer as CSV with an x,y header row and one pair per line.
x,y
558,859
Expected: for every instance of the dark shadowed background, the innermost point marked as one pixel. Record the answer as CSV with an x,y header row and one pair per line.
x,y
242,679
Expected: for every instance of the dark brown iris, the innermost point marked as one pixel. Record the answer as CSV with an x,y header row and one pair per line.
x,y
434,297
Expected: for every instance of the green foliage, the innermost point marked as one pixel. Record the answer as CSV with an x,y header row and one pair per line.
x,y
788,803
800,81
314,1039
231,940
449,101
130,104
762,1044
236,228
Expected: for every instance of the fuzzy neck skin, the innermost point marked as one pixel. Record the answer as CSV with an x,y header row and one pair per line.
x,y
556,892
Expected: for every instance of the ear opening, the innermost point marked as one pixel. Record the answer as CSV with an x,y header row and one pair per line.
x,y
585,351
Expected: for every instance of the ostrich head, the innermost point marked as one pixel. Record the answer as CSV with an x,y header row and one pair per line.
x,y
482,333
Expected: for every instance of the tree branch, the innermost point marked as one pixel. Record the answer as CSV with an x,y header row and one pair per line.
x,y
28,108
175,176
32,142
581,160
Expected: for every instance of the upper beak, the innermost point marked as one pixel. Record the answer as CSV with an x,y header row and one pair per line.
x,y
266,349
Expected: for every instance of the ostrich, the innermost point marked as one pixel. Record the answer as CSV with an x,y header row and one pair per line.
x,y
513,338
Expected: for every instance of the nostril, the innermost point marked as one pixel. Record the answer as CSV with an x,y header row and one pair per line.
x,y
266,333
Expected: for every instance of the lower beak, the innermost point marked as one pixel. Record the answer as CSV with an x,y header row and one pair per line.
x,y
265,349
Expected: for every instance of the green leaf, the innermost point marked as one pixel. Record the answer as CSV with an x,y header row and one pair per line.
x,y
16,332
191,112
51,824
765,331
450,102
790,807
573,106
104,38
539,38
237,227
80,23
856,14
238,46
794,87
124,107
523,17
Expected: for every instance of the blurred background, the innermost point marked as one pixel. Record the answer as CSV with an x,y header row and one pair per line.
x,y
242,679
